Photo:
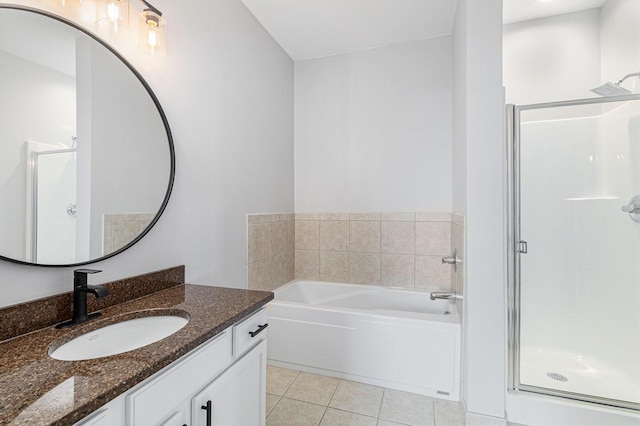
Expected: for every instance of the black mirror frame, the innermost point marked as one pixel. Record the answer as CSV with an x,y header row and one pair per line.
x,y
165,201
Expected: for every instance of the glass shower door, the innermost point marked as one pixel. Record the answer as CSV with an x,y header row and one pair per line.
x,y
577,250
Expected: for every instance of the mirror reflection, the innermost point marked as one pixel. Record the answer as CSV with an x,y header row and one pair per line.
x,y
86,160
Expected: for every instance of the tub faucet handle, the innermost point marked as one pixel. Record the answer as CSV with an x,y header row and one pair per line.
x,y
452,260
445,295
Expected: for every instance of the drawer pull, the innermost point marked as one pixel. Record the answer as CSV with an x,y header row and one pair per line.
x,y
259,330
209,410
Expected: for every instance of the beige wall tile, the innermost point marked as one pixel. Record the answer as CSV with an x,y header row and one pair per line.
x,y
433,217
457,219
364,236
279,271
307,216
397,237
124,233
334,235
252,219
259,242
364,216
364,268
291,265
432,274
285,217
260,276
307,235
107,238
334,216
279,238
307,264
291,235
399,217
397,270
433,238
334,266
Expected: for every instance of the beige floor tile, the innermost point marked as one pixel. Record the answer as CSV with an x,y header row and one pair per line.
x,y
279,379
333,417
312,388
448,413
272,400
289,412
357,398
407,408
388,423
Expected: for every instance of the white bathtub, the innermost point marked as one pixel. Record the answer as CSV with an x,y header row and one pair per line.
x,y
389,337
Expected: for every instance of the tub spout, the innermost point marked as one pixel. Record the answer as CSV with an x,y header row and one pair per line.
x,y
452,297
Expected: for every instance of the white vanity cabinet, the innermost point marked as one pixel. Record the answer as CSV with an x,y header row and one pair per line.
x,y
226,376
237,397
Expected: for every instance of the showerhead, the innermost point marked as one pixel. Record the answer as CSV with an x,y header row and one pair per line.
x,y
614,89
611,89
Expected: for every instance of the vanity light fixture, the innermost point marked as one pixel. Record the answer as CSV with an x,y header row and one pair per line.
x,y
112,15
152,31
71,3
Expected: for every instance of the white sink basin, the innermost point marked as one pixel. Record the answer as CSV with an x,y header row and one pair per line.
x,y
119,337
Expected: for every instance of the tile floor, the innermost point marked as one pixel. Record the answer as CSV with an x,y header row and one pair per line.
x,y
302,399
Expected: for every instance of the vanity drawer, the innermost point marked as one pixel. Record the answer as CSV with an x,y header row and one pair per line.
x,y
249,332
155,401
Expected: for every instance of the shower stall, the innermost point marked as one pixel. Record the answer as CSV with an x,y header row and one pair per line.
x,y
574,237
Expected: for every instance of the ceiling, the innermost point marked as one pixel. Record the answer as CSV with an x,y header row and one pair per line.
x,y
308,29
523,10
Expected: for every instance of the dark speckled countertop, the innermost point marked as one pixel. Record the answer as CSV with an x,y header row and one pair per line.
x,y
36,389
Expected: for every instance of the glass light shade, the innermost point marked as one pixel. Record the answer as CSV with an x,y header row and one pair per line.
x,y
112,15
152,33
71,3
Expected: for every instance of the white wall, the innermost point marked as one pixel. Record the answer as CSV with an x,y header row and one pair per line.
x,y
47,115
620,38
131,183
552,59
227,90
480,108
373,129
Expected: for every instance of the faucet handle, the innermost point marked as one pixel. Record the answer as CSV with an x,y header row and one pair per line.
x,y
85,271
80,276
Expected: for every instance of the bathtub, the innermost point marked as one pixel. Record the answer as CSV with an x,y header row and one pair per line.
x,y
390,337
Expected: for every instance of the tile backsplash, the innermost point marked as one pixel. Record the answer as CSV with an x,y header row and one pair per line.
x,y
270,250
119,229
392,249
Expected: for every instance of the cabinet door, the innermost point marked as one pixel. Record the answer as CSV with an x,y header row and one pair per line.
x,y
237,397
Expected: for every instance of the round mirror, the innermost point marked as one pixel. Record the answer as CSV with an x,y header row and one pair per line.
x,y
86,155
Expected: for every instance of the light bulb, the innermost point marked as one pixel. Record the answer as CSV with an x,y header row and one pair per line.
x,y
151,33
112,15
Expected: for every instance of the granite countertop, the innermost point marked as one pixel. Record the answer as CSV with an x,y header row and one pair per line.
x,y
36,389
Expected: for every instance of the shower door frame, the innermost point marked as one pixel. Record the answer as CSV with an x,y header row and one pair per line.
x,y
514,251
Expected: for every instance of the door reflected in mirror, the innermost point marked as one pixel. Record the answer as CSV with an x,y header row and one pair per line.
x,y
86,156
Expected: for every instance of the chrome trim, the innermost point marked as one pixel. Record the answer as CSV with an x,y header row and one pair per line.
x,y
514,238
578,102
513,138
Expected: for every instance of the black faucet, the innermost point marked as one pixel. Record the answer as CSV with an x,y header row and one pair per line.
x,y
80,290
